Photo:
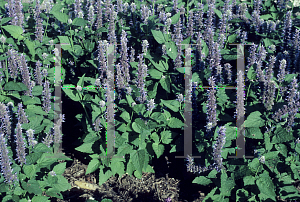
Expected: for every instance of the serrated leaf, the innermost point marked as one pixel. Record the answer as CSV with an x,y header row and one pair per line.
x,y
158,149
32,186
254,120
5,20
165,83
266,186
138,158
227,184
85,148
175,123
93,165
72,94
171,50
13,30
79,22
171,104
29,170
232,38
64,40
15,86
202,181
30,45
59,169
62,17
158,36
218,13
175,18
166,137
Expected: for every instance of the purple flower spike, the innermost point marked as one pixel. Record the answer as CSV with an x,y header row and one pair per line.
x,y
20,145
5,162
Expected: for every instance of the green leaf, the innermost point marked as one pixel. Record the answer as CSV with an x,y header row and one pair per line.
x,y
266,186
136,127
85,148
175,123
165,83
40,199
19,191
117,166
251,74
281,135
79,22
185,43
230,57
154,136
254,120
175,18
254,133
15,86
171,104
62,183
94,164
103,177
52,179
37,90
138,158
105,200
125,116
64,40
32,187
218,13
232,38
81,81
40,147
5,20
46,160
166,137
70,93
59,169
249,180
30,45
13,30
62,17
171,50
88,45
227,184
266,17
78,50
27,100
202,181
54,193
289,77
158,149
159,66
29,170
158,36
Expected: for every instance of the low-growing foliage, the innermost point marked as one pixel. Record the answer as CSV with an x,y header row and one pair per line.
x,y
147,92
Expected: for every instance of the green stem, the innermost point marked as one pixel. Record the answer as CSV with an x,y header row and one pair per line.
x,y
46,26
6,69
248,91
72,43
257,170
278,92
84,107
187,14
153,8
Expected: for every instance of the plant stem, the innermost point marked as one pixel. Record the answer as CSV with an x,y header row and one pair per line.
x,y
46,25
278,92
248,91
